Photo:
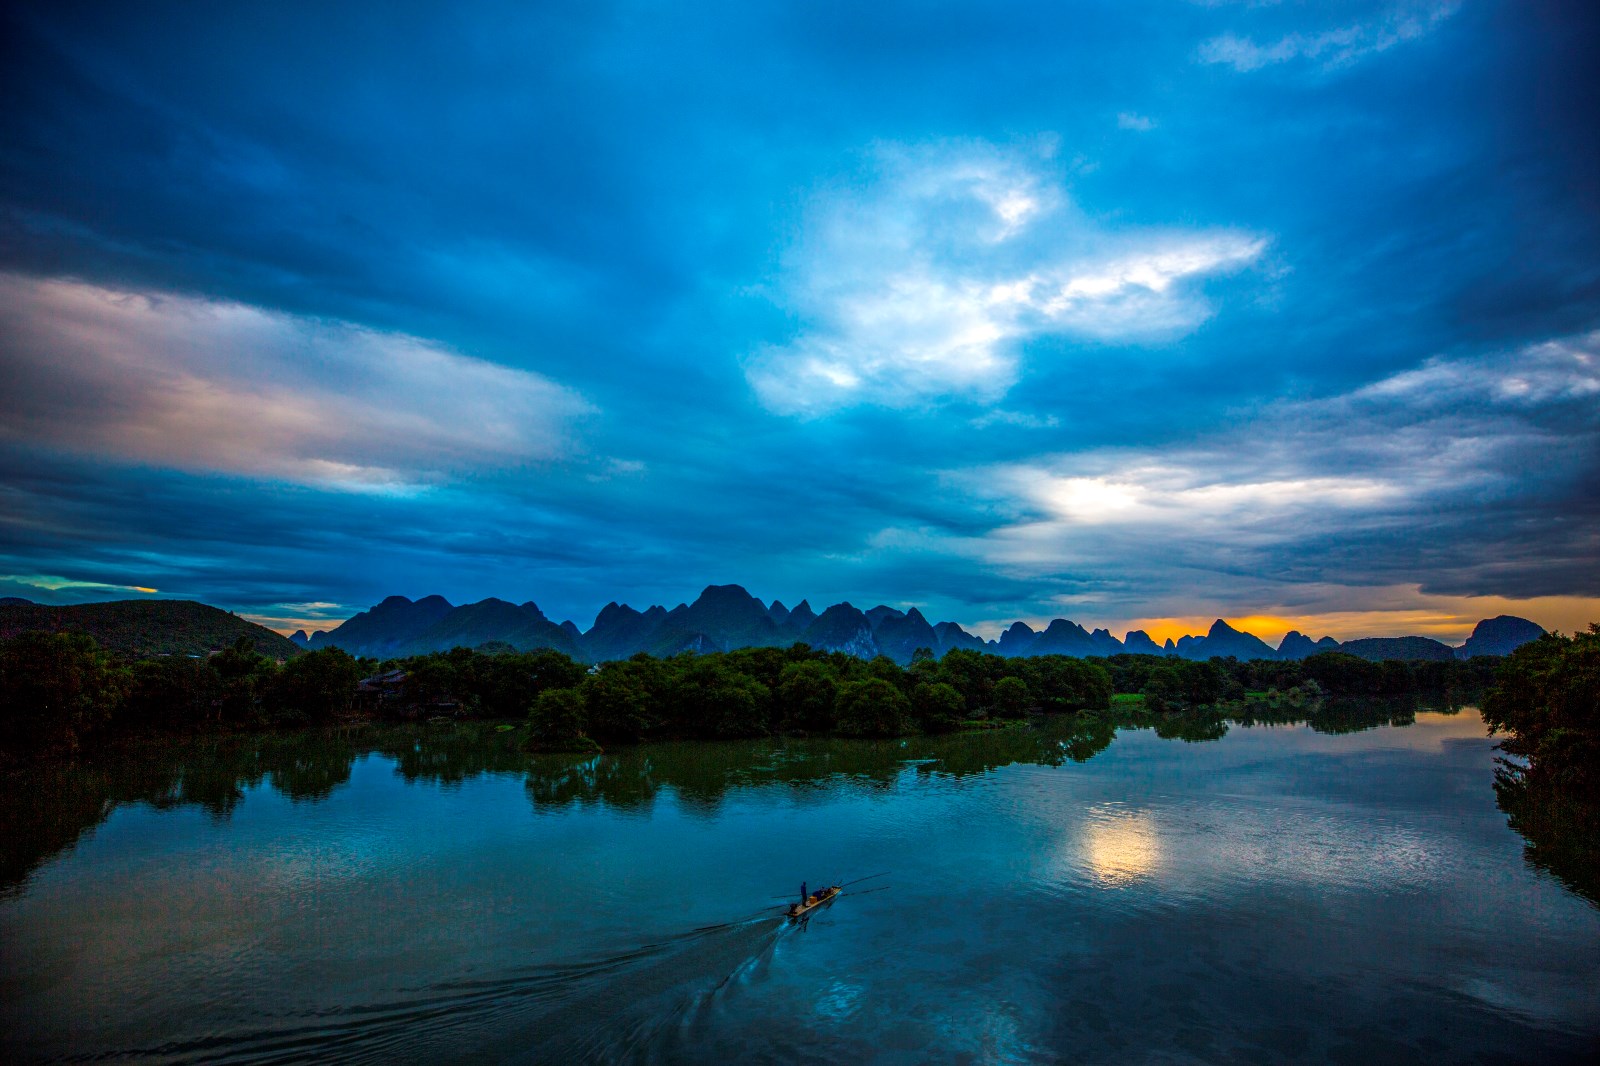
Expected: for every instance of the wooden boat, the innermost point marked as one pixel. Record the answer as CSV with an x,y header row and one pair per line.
x,y
797,911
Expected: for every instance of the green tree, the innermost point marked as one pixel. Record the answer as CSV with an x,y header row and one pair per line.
x,y
244,677
556,722
1202,683
972,673
1163,689
805,697
764,665
871,708
1394,677
736,705
508,684
887,669
1011,697
1546,697
55,690
1342,674
171,691
434,681
616,703
939,707
1060,683
319,684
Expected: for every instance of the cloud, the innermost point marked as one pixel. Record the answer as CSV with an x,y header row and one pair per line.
x,y
922,285
50,583
1548,375
1330,48
210,385
1183,497
618,189
1465,477
1127,120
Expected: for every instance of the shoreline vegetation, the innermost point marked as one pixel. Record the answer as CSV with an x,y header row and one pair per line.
x,y
61,693
1546,701
78,719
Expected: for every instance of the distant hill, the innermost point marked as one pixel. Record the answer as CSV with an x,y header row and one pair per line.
x,y
952,636
524,627
842,628
1378,649
1499,636
1138,642
619,631
140,628
1223,641
721,618
726,617
1296,645
386,629
1062,637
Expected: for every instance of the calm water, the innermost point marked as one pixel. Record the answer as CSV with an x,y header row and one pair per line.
x,y
1275,895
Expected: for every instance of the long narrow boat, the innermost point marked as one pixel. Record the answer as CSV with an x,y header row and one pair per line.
x,y
797,911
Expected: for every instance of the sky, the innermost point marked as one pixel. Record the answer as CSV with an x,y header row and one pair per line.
x,y
1135,313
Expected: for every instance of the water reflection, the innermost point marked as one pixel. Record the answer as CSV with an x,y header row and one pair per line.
x,y
428,893
48,807
1561,828
1119,845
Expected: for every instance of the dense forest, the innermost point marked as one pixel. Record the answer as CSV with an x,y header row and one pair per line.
x,y
59,691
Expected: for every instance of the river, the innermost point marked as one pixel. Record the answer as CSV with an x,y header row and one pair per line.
x,y
1066,891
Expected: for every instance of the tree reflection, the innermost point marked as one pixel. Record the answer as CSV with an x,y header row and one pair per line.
x,y
624,782
1192,726
1332,716
48,807
449,754
1560,827
51,805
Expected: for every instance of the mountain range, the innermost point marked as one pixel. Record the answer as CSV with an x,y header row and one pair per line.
x,y
725,617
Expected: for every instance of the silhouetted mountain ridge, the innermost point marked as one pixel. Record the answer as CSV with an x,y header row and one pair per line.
x,y
727,617
1499,636
384,629
523,626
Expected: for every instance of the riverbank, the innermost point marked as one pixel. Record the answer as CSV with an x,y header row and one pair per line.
x,y
431,888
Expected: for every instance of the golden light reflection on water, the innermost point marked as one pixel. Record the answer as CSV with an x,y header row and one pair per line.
x,y
1433,730
1120,846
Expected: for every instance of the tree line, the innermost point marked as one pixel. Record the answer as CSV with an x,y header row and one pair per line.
x,y
59,690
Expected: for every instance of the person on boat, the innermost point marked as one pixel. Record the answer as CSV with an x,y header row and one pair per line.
x,y
804,896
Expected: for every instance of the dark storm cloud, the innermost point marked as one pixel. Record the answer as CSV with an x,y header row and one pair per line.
x,y
594,300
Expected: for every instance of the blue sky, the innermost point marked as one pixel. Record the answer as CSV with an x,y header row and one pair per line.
x,y
1133,313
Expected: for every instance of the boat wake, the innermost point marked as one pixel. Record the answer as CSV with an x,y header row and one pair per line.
x,y
630,1007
